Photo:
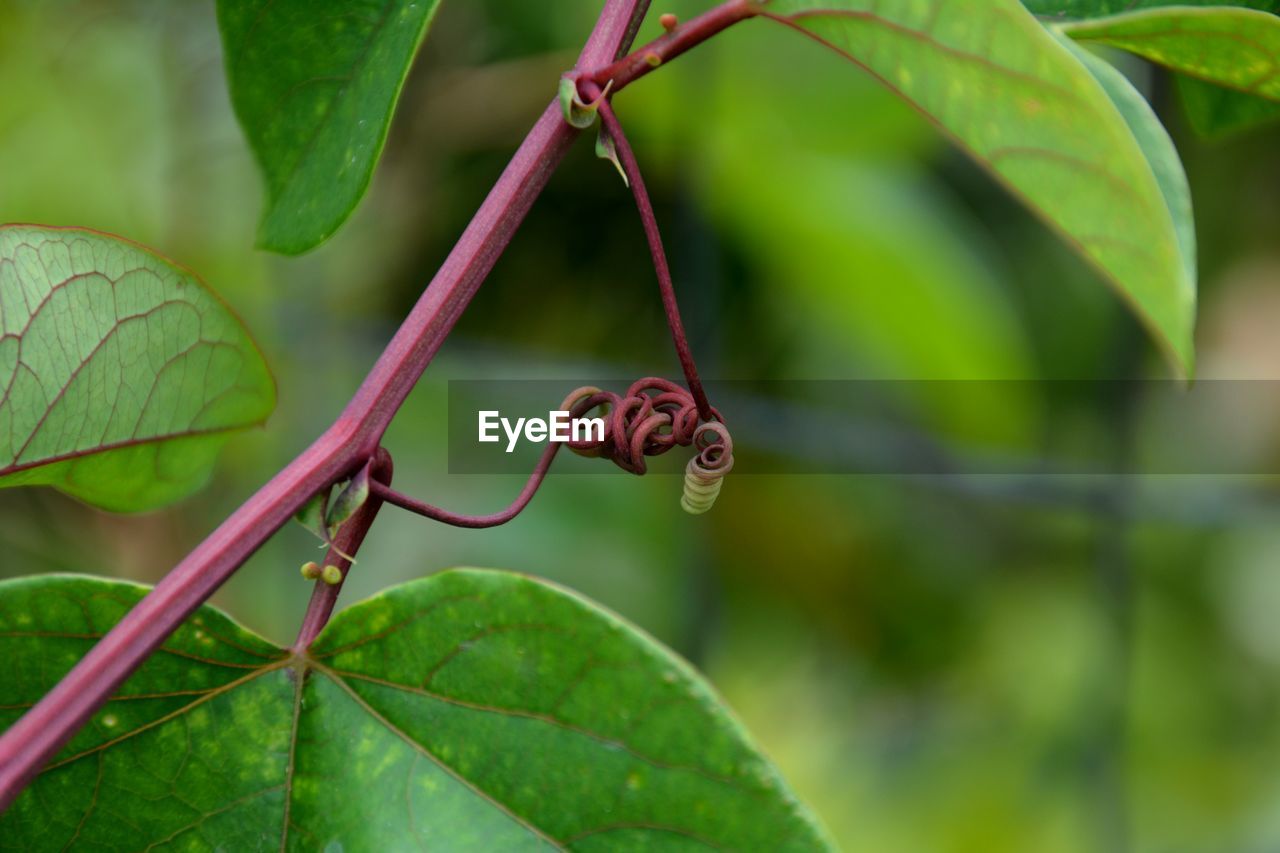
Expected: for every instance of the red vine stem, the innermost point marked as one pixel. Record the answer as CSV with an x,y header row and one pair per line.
x,y
638,12
343,448
663,49
35,737
654,236
325,596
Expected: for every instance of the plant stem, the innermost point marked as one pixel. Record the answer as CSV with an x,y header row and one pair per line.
x,y
638,11
324,596
665,48
30,742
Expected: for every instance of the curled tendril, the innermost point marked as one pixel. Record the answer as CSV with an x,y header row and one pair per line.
x,y
704,475
652,417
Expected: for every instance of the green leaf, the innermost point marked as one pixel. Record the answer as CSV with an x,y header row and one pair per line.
x,y
1099,8
1236,44
1233,48
123,374
1214,112
470,710
997,81
1156,146
314,87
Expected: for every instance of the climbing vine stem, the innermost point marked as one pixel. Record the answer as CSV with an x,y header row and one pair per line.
x,y
354,439
324,596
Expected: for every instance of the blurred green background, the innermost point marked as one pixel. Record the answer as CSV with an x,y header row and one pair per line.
x,y
987,665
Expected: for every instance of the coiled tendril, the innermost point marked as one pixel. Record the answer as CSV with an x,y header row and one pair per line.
x,y
653,416
704,475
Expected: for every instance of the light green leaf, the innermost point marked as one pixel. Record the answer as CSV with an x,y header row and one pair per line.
x,y
1212,111
314,86
122,374
1234,48
1156,145
993,77
470,710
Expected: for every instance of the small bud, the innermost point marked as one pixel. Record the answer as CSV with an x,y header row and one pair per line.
x,y
350,499
311,515
606,150
653,59
577,112
311,570
332,575
669,21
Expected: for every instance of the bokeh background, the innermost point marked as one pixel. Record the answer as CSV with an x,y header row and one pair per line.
x,y
953,664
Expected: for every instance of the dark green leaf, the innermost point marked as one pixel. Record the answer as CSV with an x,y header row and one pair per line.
x,y
1214,111
314,86
990,74
467,711
122,373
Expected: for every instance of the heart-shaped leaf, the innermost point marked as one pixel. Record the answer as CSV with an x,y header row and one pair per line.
x,y
314,86
122,374
1025,107
471,710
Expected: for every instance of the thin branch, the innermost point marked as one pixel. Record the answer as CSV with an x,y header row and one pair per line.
x,y
665,48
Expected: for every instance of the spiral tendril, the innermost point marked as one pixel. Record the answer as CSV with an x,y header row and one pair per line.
x,y
705,473
652,417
